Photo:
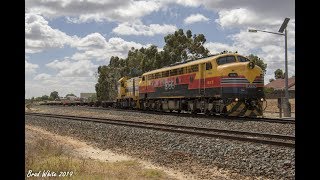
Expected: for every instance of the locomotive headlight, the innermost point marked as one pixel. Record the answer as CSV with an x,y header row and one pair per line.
x,y
251,65
236,99
232,74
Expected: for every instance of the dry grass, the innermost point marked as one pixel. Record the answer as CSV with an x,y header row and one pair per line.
x,y
42,154
272,105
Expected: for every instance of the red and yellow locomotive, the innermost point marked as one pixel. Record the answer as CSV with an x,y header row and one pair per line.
x,y
226,83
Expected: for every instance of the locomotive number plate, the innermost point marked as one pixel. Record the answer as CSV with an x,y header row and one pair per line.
x,y
251,86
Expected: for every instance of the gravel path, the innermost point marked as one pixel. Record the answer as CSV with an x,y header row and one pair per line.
x,y
193,154
263,127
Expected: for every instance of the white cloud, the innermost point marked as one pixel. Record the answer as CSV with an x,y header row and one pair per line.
x,y
270,9
64,86
93,10
215,47
30,68
68,68
242,13
138,28
42,76
76,73
127,11
193,18
95,47
260,39
39,35
268,47
243,17
91,41
122,46
191,3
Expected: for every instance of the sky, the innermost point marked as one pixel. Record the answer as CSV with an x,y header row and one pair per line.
x,y
67,40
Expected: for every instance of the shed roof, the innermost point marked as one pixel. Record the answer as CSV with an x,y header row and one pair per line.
x,y
279,84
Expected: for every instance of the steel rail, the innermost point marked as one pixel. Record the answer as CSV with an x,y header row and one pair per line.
x,y
200,131
237,118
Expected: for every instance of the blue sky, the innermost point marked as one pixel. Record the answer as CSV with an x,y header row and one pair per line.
x,y
67,40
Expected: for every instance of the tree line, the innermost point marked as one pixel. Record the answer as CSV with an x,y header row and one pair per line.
x,y
179,46
53,96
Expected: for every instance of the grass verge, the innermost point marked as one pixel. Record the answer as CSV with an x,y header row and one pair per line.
x,y
46,157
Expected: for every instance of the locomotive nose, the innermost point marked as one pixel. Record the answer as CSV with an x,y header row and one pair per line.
x,y
251,71
251,65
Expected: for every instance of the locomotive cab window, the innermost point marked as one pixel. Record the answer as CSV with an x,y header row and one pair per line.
x,y
208,66
242,59
226,60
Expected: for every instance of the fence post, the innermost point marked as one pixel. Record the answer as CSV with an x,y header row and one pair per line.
x,y
280,106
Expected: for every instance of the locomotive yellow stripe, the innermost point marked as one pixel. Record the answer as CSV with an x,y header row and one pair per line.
x,y
230,106
243,111
256,112
234,113
238,110
248,113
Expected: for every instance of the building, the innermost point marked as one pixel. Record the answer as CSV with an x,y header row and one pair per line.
x,y
279,86
72,98
85,96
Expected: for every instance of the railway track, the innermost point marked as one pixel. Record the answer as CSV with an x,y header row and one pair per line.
x,y
271,139
200,115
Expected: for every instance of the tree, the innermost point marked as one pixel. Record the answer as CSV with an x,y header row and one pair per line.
x,y
44,98
54,95
268,90
71,94
106,88
278,74
259,62
180,46
93,98
101,86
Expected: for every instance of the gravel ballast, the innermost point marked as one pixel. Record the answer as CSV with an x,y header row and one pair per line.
x,y
192,154
214,122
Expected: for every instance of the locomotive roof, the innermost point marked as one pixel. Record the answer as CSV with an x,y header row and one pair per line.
x,y
123,78
194,62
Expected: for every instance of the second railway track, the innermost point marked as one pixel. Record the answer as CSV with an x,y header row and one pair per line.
x,y
272,139
181,114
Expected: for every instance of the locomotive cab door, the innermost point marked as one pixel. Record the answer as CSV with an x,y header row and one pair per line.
x,y
202,71
143,85
146,87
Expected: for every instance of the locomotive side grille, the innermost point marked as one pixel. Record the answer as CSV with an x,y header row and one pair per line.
x,y
240,81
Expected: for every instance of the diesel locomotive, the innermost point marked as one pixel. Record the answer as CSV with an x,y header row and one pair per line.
x,y
225,83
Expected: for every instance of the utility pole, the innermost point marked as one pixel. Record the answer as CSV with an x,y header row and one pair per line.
x,y
287,108
285,103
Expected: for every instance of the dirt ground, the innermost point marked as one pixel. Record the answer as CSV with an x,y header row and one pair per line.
x,y
272,109
83,150
272,105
